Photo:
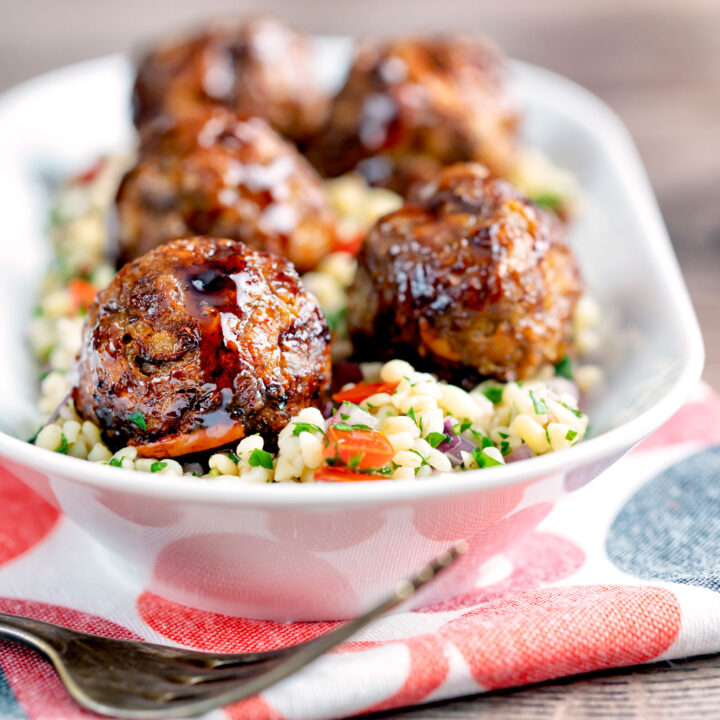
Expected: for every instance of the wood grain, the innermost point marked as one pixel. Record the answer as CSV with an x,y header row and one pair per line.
x,y
657,63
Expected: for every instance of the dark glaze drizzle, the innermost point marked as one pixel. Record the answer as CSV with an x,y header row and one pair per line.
x,y
202,334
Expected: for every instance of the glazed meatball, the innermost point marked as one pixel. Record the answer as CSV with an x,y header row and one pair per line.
x,y
412,106
469,279
226,175
261,67
199,343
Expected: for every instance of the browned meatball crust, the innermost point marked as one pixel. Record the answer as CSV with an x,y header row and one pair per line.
x,y
199,343
411,106
470,278
226,175
260,66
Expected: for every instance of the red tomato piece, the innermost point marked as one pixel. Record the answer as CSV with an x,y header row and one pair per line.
x,y
358,449
82,293
357,393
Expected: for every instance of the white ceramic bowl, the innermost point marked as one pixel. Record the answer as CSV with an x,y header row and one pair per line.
x,y
325,551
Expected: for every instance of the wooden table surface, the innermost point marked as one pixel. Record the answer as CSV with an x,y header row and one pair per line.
x,y
657,63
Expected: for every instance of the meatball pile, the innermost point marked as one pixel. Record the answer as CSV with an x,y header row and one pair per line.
x,y
260,67
468,278
223,174
199,343
412,106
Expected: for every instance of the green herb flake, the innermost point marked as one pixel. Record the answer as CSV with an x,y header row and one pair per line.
x,y
424,461
343,416
233,457
260,458
345,427
461,427
505,448
63,449
376,471
548,201
564,368
335,320
35,434
115,462
139,419
503,435
571,435
493,393
574,411
437,438
306,427
355,460
538,404
157,466
547,436
483,459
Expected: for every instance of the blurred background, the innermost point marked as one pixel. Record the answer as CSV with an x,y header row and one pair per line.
x,y
655,62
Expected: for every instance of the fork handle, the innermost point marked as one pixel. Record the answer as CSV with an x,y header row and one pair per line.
x,y
37,634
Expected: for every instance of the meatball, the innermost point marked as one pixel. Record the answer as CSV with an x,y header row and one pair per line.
x,y
226,175
261,67
469,279
412,106
199,343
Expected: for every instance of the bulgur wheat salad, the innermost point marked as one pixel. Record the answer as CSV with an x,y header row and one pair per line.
x,y
393,422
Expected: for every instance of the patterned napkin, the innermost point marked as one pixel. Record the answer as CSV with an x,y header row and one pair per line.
x,y
624,571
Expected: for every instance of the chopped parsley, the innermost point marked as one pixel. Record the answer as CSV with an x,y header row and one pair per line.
x,y
538,404
571,435
436,438
493,393
575,412
460,428
307,427
260,458
233,457
345,427
547,436
548,201
483,459
505,448
139,419
115,462
415,419
424,461
157,466
35,434
376,471
63,449
355,460
336,319
503,435
564,368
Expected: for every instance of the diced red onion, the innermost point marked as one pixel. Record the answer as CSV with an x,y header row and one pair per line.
x,y
353,415
455,446
521,453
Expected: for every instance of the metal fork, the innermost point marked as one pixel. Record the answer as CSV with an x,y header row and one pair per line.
x,y
130,679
